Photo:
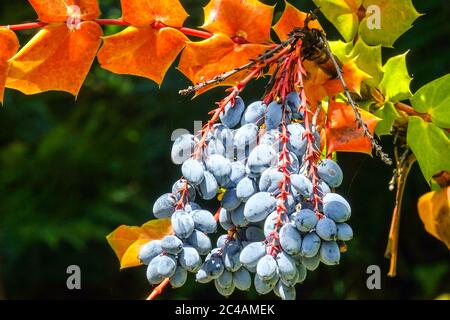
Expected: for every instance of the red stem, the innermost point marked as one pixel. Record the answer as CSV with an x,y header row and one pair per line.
x,y
119,22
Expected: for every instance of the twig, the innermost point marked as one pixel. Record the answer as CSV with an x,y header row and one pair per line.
x,y
378,149
403,167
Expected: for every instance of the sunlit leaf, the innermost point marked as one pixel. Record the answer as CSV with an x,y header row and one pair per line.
x,y
434,99
144,51
396,16
342,130
55,59
368,59
144,12
250,19
388,114
9,44
126,241
341,49
353,77
342,14
434,211
315,83
291,18
396,81
203,60
59,10
431,146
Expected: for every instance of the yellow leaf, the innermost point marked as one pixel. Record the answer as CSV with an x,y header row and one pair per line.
x,y
57,58
434,210
126,241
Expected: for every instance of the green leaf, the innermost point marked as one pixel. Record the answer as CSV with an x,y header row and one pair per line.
x,y
396,80
369,61
342,14
341,50
388,114
431,146
434,99
396,16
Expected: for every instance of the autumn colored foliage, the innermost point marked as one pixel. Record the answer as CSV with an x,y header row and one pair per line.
x,y
61,54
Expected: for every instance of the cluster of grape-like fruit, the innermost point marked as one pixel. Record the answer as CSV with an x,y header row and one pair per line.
x,y
279,221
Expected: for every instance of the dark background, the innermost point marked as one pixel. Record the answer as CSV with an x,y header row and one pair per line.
x,y
72,171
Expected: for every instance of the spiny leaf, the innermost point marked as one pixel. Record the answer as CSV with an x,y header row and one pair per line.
x,y
315,83
143,51
203,60
9,44
342,14
341,49
353,77
388,114
144,12
55,59
434,211
342,130
58,10
431,146
291,18
126,241
396,80
434,99
368,59
396,17
250,19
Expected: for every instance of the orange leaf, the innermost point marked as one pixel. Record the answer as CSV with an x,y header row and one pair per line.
x,y
55,59
126,241
290,19
342,129
248,19
144,12
59,10
9,44
353,77
434,211
201,61
145,52
314,83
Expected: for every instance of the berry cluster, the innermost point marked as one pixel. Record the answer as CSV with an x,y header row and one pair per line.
x,y
278,207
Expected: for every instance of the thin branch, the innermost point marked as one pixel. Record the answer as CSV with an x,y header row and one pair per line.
x,y
403,167
378,149
222,77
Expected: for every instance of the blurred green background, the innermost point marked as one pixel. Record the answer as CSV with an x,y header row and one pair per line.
x,y
72,171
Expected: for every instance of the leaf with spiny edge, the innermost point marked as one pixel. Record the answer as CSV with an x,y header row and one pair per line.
x,y
144,51
126,241
343,133
250,19
58,10
57,58
343,14
396,18
388,114
431,146
143,13
203,60
353,77
434,99
434,211
290,19
368,59
396,81
9,44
